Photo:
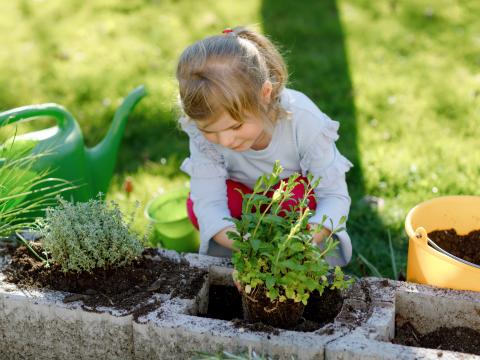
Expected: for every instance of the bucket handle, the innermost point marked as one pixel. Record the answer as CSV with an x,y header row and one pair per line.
x,y
421,234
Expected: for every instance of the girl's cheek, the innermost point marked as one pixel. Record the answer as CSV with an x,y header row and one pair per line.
x,y
210,137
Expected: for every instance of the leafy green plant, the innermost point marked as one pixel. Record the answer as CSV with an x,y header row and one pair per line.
x,y
24,191
275,248
225,355
87,235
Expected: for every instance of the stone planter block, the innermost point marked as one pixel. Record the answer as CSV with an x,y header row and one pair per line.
x,y
427,308
38,325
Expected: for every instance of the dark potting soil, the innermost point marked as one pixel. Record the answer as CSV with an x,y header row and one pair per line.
x,y
123,288
7,248
257,307
460,339
225,302
466,247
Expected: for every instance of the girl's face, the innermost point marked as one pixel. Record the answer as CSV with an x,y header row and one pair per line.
x,y
236,136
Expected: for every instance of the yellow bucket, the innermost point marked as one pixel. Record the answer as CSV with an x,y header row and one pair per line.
x,y
427,265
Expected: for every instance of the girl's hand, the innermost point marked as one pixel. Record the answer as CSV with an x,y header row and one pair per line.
x,y
222,238
319,235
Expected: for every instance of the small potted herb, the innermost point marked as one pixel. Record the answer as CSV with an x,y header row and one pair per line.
x,y
276,263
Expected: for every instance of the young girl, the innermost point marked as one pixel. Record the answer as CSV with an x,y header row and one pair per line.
x,y
240,119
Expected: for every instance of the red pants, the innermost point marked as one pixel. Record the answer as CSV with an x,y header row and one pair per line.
x,y
235,199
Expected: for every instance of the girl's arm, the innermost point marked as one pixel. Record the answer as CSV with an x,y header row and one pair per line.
x,y
321,158
333,200
315,135
208,190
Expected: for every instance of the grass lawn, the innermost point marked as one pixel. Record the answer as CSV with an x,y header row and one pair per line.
x,y
402,77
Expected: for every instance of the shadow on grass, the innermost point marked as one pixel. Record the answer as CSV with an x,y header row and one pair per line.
x,y
156,138
311,37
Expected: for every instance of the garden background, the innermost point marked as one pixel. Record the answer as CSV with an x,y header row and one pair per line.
x,y
402,77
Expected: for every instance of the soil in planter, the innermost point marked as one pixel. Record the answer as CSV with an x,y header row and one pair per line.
x,y
466,247
226,303
7,248
461,339
124,287
257,307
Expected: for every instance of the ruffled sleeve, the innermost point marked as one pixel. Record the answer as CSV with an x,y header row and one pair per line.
x,y
208,192
321,157
206,158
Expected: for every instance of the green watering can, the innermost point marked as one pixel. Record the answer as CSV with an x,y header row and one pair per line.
x,y
66,155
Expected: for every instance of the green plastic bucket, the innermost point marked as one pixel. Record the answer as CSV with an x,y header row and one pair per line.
x,y
172,228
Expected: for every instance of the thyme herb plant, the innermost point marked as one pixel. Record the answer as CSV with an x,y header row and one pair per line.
x,y
274,247
87,235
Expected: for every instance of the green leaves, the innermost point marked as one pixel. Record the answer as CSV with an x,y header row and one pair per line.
x,y
275,246
255,244
83,236
24,191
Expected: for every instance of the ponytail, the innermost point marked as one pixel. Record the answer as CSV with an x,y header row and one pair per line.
x,y
278,70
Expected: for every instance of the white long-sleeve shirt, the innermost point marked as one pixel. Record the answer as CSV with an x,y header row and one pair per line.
x,y
303,142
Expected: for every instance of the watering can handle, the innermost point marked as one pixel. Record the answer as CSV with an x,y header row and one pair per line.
x,y
63,118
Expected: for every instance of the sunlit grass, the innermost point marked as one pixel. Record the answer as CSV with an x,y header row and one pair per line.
x,y
148,182
415,72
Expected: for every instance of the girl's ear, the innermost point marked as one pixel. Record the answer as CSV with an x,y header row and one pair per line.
x,y
267,92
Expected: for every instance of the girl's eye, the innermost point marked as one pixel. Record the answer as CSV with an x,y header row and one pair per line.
x,y
237,127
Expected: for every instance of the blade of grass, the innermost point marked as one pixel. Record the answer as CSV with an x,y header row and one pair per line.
x,y
392,256
370,266
29,247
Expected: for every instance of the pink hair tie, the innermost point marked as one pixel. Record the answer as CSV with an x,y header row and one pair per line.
x,y
227,31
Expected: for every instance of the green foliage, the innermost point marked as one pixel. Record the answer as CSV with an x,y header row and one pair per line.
x,y
225,355
275,246
23,190
84,236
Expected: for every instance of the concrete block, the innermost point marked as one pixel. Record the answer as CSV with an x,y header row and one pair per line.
x,y
429,308
41,326
181,336
426,307
358,346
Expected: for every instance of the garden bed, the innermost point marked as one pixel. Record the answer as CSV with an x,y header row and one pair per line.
x,y
123,288
45,323
320,310
176,320
459,338
431,323
164,333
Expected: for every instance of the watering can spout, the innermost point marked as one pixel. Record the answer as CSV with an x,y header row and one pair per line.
x,y
102,157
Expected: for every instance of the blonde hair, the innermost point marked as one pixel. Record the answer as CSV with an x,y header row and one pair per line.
x,y
226,73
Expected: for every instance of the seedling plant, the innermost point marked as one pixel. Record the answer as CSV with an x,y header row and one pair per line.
x,y
274,247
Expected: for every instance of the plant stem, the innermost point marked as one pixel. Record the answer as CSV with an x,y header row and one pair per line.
x,y
29,247
289,236
260,220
